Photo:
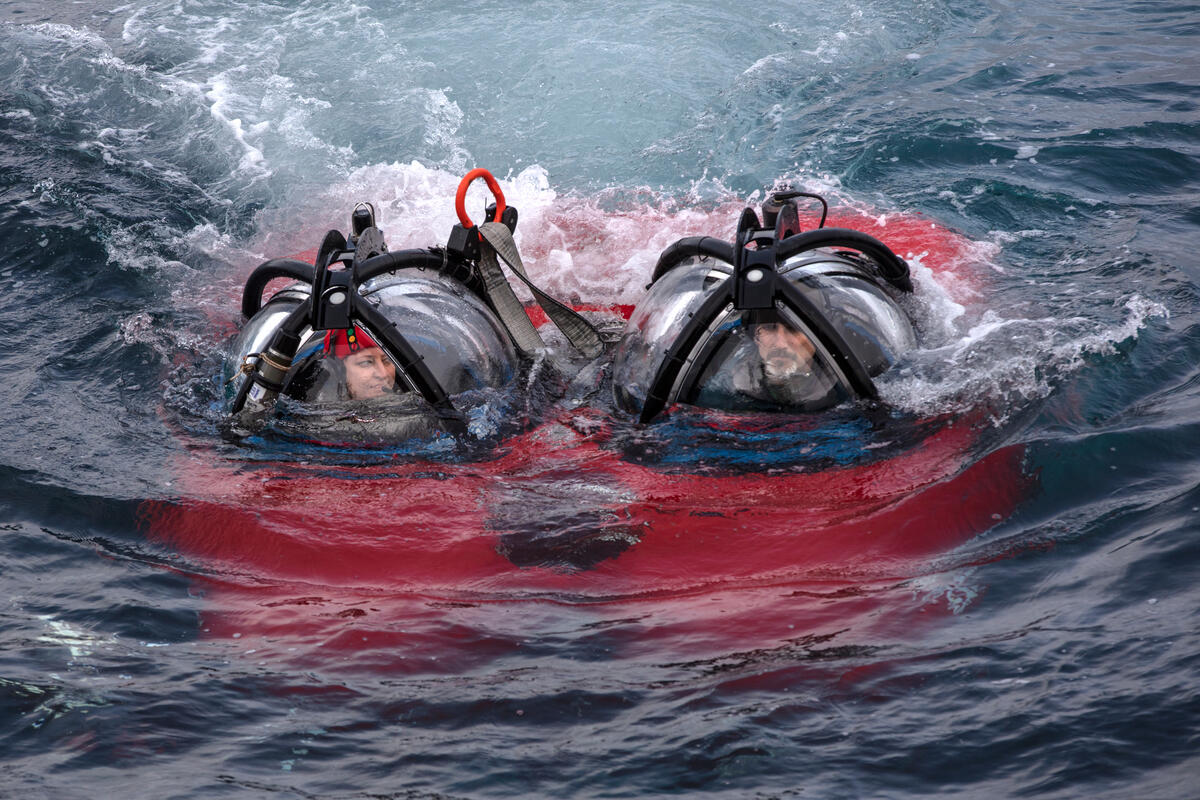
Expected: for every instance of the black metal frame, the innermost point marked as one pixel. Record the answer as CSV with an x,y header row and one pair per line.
x,y
756,284
335,302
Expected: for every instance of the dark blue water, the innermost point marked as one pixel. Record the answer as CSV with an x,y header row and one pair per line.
x,y
151,154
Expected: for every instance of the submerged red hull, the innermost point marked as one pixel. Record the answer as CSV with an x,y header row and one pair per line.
x,y
423,566
300,558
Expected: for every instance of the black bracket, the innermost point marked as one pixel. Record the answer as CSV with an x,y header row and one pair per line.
x,y
331,308
463,243
754,273
331,288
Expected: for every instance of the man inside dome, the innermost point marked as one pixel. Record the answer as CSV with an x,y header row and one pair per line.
x,y
776,365
785,352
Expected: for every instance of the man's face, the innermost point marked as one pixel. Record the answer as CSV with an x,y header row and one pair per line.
x,y
369,373
785,352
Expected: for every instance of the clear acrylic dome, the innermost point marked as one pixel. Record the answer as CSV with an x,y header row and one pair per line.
x,y
759,360
450,329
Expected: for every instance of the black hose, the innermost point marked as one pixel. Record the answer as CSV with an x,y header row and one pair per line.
x,y
782,197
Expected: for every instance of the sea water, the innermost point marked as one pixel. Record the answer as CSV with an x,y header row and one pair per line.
x,y
557,618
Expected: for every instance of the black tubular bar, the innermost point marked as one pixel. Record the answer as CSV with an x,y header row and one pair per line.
x,y
333,243
375,266
892,267
256,284
688,247
265,273
837,346
659,392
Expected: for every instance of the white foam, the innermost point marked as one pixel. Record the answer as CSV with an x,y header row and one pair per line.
x,y
597,248
940,313
219,95
1003,362
958,590
443,121
767,64
77,37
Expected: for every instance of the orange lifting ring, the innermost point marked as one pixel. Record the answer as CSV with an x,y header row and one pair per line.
x,y
461,196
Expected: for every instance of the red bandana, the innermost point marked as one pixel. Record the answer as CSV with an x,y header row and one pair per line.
x,y
341,343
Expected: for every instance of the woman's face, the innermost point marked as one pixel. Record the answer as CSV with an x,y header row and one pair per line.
x,y
369,373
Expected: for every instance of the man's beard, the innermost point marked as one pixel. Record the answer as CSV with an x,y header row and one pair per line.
x,y
782,366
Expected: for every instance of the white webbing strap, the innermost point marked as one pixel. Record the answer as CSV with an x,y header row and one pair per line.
x,y
508,307
498,240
